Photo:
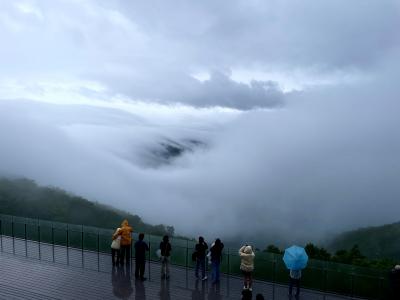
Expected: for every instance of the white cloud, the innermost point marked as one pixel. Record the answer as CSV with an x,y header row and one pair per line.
x,y
29,9
151,50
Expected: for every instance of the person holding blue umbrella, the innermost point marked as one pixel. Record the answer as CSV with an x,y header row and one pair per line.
x,y
295,259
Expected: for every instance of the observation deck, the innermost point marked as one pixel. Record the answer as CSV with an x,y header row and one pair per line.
x,y
38,269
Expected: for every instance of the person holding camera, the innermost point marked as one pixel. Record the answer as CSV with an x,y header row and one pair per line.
x,y
247,265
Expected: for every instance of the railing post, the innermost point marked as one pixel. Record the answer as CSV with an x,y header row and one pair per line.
x,y
52,239
26,242
40,254
352,284
273,275
228,272
131,255
98,250
187,255
1,235
67,245
380,288
229,266
274,270
83,263
12,233
149,256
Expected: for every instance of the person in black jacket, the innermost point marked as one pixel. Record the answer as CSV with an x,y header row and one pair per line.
x,y
140,250
216,257
165,248
201,249
394,277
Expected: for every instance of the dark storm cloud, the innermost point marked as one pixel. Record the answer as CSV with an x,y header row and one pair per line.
x,y
218,90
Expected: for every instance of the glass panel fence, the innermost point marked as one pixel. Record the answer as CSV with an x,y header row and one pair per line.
x,y
319,275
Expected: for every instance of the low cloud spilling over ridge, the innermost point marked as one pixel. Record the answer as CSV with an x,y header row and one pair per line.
x,y
326,162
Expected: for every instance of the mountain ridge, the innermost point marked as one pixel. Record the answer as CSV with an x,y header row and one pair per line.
x,y
24,198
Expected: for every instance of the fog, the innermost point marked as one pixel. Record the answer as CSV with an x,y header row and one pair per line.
x,y
328,161
285,114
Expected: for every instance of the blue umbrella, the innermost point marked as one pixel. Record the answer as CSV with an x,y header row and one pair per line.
x,y
295,258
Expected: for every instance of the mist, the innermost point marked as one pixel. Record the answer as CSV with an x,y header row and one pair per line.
x,y
326,162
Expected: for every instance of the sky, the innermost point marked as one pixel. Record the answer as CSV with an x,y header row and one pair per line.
x,y
293,106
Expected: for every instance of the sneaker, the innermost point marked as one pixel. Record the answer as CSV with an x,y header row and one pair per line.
x,y
204,278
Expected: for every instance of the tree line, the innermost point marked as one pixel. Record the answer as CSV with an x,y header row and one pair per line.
x,y
352,256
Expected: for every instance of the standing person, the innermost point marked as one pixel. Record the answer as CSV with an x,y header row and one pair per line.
x,y
294,280
247,265
165,248
126,241
394,277
216,257
140,250
200,250
115,247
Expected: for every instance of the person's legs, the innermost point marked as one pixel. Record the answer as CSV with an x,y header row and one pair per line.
x,y
213,275
297,282
167,266
163,266
137,267
113,256
142,268
118,251
197,267
290,285
128,255
122,255
250,281
245,279
203,267
216,271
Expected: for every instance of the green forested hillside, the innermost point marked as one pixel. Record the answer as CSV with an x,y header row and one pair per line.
x,y
374,242
24,198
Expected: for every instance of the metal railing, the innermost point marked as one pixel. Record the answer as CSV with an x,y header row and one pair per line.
x,y
68,243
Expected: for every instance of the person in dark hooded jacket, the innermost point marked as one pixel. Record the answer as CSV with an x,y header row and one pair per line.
x,y
165,248
216,257
140,250
200,250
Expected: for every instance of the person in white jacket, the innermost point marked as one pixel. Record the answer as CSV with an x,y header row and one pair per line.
x,y
247,265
